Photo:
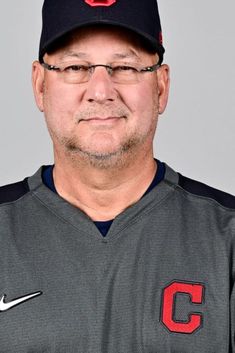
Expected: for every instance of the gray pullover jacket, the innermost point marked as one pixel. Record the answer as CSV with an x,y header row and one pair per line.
x,y
161,281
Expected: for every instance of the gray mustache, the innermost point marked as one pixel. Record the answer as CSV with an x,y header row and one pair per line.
x,y
88,114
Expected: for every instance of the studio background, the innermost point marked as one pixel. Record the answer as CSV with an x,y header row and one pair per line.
x,y
195,135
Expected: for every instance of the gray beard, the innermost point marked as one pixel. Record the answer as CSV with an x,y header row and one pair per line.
x,y
107,160
118,159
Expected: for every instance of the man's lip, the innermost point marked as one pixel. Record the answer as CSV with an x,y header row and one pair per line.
x,y
99,118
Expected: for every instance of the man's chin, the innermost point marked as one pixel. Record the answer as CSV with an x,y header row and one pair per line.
x,y
99,158
106,156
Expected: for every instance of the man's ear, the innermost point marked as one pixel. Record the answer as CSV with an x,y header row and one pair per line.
x,y
163,74
38,84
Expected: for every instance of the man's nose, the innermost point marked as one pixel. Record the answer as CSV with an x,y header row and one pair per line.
x,y
100,87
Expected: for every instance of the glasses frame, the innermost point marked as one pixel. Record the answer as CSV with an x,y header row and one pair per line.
x,y
109,68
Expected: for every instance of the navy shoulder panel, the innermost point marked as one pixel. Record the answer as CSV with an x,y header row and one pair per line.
x,y
13,192
200,189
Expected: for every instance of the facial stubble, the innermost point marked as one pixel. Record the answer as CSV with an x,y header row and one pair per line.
x,y
75,150
122,156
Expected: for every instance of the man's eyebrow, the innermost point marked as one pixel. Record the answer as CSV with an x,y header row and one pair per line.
x,y
131,54
127,55
78,55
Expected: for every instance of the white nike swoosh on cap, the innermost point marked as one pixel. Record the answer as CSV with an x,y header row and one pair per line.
x,y
6,306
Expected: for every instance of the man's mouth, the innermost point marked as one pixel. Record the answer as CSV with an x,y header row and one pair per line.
x,y
102,119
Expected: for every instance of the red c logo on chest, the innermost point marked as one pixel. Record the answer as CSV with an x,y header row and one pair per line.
x,y
195,291
100,2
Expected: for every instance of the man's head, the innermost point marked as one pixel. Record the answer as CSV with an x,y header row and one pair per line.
x,y
103,120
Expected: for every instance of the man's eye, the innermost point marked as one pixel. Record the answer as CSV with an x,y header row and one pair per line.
x,y
75,68
123,68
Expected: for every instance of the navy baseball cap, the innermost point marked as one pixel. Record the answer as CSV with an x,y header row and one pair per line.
x,y
60,17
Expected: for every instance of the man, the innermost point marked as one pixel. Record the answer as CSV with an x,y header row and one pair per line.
x,y
110,250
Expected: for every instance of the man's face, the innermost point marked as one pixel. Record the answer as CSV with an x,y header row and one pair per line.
x,y
101,121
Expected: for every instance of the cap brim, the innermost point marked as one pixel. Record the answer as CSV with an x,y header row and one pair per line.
x,y
149,41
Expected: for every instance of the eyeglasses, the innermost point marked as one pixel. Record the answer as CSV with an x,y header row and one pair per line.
x,y
119,73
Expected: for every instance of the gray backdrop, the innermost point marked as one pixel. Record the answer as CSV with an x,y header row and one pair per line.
x,y
196,133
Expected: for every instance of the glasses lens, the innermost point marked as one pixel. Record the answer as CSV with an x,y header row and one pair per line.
x,y
74,73
125,74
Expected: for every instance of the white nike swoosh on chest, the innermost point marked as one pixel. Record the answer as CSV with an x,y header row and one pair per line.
x,y
6,306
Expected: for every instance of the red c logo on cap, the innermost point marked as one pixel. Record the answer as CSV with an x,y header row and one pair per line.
x,y
100,2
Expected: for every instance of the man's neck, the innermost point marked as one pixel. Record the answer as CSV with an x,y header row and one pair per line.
x,y
103,194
